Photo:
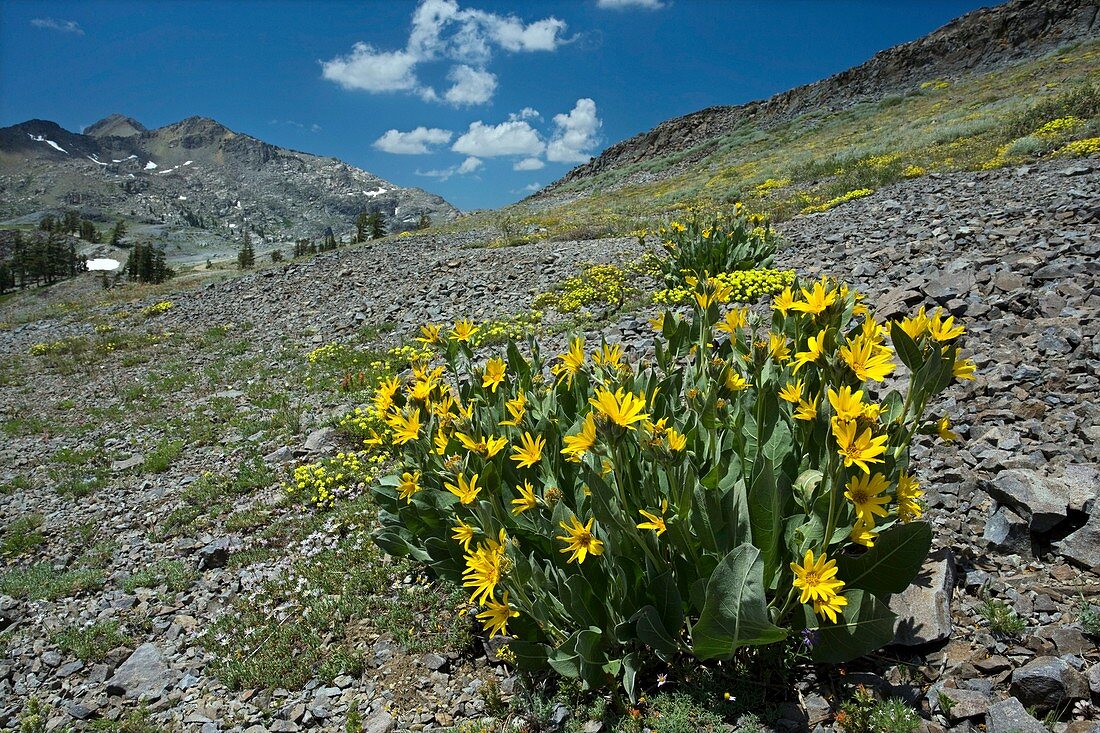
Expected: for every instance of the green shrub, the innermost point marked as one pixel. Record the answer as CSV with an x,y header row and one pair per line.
x,y
91,644
1002,619
865,714
22,535
720,242
752,484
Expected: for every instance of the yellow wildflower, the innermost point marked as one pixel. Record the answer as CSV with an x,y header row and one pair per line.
x,y
623,409
777,347
529,452
866,359
816,579
577,445
857,448
580,540
463,330
676,441
964,369
733,320
410,484
430,334
405,428
466,492
527,499
495,616
815,300
792,392
570,363
943,329
784,301
494,374
463,534
863,533
806,410
609,356
484,568
516,408
656,522
943,429
909,493
735,382
846,404
815,348
865,493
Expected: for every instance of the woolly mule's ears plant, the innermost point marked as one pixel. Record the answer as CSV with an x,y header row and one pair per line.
x,y
721,242
752,484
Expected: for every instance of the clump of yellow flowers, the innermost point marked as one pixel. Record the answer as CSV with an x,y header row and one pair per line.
x,y
157,308
323,483
746,286
753,483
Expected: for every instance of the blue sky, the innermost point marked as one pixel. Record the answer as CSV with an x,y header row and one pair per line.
x,y
480,101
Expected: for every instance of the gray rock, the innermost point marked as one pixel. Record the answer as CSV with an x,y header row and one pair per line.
x,y
1007,531
1094,679
216,554
144,673
320,438
1009,716
1047,682
1083,545
924,608
433,661
380,722
1041,499
968,704
126,464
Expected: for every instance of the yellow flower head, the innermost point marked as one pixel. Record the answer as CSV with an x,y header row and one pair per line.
x,y
943,429
865,493
656,522
830,608
792,392
485,447
815,300
609,357
623,409
909,495
734,319
430,334
495,616
676,441
964,369
916,326
466,492
571,362
867,359
816,578
494,374
658,323
410,484
577,445
527,499
580,540
440,440
405,428
516,408
463,534
943,329
383,396
777,347
815,348
806,410
863,533
846,404
735,382
857,448
463,330
484,568
784,301
529,452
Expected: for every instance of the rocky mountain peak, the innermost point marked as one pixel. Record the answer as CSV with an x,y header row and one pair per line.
x,y
115,125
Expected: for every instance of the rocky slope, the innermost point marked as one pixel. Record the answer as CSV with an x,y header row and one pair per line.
x,y
1015,503
985,39
195,175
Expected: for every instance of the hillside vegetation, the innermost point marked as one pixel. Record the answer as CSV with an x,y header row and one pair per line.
x,y
821,158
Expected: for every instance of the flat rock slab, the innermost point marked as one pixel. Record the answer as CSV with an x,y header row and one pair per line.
x,y
1009,716
144,674
924,608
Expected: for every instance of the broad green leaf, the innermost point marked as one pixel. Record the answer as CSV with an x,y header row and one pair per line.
x,y
907,350
652,631
892,564
867,624
735,613
630,676
766,509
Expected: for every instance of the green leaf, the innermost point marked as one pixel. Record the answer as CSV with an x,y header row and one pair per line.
x,y
530,656
630,676
766,510
867,624
892,564
652,631
906,348
735,613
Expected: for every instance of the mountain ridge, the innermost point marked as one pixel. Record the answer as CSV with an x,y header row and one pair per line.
x,y
979,40
197,175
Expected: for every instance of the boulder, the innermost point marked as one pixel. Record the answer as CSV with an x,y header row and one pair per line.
x,y
924,608
1048,682
144,674
1009,716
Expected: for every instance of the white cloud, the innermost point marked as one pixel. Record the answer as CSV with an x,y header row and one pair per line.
x,y
442,31
53,24
471,86
470,165
373,71
620,4
413,142
529,164
575,134
527,113
507,138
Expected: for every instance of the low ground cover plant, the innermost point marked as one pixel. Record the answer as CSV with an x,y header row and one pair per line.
x,y
751,487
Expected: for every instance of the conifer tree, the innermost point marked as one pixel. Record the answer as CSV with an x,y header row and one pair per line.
x,y
246,256
377,226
